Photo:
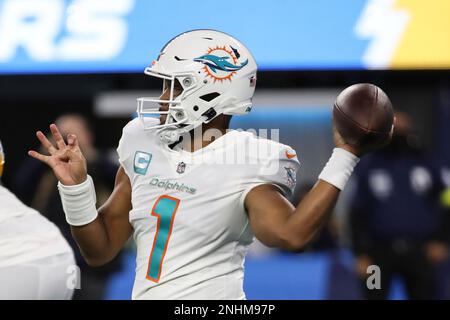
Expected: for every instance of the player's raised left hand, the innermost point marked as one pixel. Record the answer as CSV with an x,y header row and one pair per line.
x,y
66,160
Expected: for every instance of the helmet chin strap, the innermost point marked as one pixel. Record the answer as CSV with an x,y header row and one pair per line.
x,y
170,135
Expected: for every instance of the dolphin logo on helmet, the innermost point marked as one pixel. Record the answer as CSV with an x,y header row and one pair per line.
x,y
221,63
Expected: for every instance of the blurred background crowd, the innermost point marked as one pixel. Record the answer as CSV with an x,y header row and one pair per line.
x,y
80,64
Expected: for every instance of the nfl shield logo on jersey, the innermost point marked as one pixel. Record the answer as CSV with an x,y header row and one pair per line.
x,y
181,167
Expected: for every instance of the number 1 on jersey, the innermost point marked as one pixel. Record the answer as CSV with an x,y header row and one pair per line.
x,y
164,209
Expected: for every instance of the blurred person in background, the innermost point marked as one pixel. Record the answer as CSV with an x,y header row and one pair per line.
x,y
43,195
36,262
397,222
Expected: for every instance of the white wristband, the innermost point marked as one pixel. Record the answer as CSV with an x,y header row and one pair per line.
x,y
79,202
339,168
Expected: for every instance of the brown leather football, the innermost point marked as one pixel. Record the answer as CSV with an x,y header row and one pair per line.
x,y
363,116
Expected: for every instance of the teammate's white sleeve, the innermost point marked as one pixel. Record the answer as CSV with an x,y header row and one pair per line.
x,y
50,278
280,169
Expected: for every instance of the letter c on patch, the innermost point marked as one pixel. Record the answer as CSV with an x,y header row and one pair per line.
x,y
141,162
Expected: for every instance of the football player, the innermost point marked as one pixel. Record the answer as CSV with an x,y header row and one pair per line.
x,y
36,261
194,202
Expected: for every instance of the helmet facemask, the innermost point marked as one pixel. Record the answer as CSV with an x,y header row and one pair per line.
x,y
180,114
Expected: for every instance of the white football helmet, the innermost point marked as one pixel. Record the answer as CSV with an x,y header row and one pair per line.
x,y
2,159
217,74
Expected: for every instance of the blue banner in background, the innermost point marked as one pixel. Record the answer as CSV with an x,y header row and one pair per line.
x,y
126,35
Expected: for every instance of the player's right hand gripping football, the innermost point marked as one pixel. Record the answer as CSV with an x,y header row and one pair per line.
x,y
339,142
66,160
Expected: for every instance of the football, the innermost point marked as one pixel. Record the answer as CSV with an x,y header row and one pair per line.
x,y
363,115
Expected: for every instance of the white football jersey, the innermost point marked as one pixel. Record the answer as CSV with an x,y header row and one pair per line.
x,y
190,225
26,235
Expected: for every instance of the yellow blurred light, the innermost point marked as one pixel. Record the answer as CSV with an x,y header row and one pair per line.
x,y
445,198
425,43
